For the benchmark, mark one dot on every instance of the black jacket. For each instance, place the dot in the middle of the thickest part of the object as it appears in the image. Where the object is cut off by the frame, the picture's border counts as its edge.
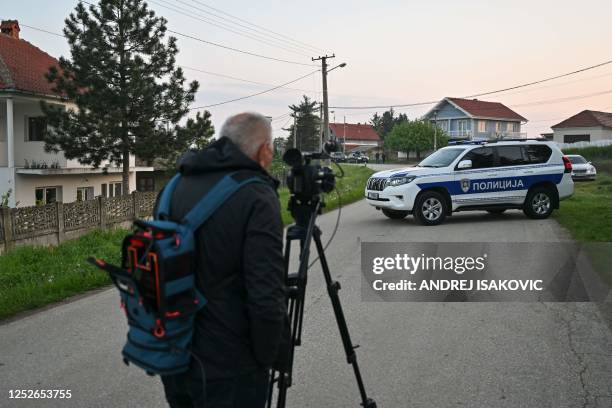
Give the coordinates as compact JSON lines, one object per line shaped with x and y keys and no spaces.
{"x":240,"y":262}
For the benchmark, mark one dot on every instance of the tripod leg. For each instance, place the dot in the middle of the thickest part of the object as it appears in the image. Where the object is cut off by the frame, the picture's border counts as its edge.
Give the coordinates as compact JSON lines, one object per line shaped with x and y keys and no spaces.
{"x":332,"y":289}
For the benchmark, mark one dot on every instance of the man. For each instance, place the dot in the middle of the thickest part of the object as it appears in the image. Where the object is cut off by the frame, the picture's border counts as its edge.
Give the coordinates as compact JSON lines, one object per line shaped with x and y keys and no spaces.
{"x":240,"y":271}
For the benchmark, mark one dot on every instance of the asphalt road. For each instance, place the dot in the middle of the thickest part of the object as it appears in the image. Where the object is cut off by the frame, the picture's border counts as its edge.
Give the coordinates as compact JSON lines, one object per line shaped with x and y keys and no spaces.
{"x":412,"y":354}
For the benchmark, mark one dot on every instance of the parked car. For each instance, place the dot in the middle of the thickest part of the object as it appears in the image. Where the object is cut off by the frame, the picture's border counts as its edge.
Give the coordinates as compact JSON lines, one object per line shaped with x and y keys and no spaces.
{"x":581,"y":168}
{"x":357,"y":157}
{"x":338,"y":157}
{"x":531,"y":175}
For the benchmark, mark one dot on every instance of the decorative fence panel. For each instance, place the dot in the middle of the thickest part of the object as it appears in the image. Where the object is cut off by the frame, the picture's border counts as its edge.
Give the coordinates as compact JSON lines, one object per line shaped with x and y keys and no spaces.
{"x":81,"y":214}
{"x":145,"y":203}
{"x":28,"y":222}
{"x":49,"y":223}
{"x":119,"y":208}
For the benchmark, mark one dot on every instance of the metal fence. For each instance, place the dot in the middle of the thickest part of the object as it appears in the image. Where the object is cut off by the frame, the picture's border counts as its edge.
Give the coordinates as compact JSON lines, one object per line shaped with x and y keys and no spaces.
{"x":54,"y":223}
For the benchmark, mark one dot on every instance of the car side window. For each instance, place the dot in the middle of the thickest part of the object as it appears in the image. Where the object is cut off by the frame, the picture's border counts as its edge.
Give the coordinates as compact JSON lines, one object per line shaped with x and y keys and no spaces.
{"x":511,"y":156}
{"x":481,"y":157}
{"x":537,"y":153}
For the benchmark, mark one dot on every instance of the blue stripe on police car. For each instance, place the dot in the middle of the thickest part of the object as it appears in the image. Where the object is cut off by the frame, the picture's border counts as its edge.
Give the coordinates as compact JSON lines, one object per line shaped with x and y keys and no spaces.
{"x":491,"y":185}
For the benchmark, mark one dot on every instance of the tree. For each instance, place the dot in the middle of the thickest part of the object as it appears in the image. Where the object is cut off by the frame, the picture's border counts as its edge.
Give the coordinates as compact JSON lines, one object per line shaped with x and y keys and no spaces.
{"x":307,"y":126}
{"x":195,"y":134}
{"x":129,"y":95}
{"x":385,"y":123}
{"x":416,"y":136}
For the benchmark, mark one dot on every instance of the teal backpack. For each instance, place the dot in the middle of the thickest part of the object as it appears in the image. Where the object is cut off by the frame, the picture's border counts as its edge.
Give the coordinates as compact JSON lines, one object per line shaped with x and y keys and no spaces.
{"x":157,"y":281}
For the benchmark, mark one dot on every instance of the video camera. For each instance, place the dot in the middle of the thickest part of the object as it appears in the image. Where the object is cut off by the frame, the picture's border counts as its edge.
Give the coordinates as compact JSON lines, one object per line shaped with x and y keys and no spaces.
{"x":306,"y":180}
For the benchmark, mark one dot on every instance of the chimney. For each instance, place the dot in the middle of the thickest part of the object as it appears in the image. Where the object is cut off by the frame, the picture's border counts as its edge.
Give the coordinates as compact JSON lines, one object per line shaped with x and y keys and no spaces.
{"x":10,"y":28}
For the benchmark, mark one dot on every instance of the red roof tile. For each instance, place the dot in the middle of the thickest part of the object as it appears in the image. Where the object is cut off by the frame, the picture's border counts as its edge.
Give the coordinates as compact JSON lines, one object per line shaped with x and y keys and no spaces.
{"x":354,"y":131}
{"x":587,"y":118}
{"x":23,"y":66}
{"x":484,"y":109}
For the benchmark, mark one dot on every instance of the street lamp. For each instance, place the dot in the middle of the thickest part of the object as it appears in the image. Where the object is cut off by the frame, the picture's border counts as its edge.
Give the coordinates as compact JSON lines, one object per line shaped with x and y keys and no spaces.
{"x":325,"y":112}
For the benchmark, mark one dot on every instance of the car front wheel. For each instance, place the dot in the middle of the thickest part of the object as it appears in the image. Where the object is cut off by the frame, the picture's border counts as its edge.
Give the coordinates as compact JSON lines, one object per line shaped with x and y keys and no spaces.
{"x":539,"y":203}
{"x":430,"y":208}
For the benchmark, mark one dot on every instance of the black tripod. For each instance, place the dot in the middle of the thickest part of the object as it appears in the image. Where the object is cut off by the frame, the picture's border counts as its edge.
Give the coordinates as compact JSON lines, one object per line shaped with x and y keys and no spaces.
{"x":305,"y":230}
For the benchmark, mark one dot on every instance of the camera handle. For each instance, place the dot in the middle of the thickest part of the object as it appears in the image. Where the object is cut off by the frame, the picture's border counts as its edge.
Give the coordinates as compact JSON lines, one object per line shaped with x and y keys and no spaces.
{"x":296,"y":283}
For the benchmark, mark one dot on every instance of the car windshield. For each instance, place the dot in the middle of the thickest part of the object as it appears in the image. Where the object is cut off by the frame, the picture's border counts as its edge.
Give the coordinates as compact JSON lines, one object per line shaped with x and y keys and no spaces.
{"x":577,"y":159}
{"x":441,"y":158}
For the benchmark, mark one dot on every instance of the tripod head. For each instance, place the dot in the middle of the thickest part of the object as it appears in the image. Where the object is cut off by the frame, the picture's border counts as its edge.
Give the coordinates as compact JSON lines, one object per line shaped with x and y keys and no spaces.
{"x":307,"y":180}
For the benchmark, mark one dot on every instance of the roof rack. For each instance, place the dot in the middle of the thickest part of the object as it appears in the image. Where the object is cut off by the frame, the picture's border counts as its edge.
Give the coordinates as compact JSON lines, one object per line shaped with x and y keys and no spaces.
{"x":478,"y":142}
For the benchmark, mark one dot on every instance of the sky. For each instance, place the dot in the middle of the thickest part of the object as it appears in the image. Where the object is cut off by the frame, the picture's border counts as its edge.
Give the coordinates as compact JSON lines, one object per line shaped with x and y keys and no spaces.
{"x":397,"y":52}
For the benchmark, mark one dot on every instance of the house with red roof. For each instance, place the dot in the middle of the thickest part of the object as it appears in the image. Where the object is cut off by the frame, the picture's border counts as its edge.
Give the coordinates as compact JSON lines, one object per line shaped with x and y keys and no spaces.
{"x":355,"y":136}
{"x":586,"y":126}
{"x":475,"y":119}
{"x":33,"y":175}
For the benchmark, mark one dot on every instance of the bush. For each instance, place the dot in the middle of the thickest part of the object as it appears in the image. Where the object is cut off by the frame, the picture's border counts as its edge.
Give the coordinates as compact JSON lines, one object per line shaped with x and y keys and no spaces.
{"x":590,"y":153}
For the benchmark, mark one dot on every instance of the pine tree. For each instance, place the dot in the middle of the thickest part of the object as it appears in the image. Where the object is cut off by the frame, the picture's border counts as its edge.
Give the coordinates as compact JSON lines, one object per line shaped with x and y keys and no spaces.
{"x":121,"y":76}
{"x":307,"y":126}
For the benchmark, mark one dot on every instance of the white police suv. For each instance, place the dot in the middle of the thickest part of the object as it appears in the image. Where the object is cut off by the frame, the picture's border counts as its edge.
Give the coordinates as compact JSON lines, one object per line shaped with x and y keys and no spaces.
{"x":528,"y":174}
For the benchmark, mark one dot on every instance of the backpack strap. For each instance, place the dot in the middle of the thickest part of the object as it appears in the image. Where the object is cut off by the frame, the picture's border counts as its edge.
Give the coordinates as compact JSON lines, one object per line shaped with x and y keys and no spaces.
{"x":163,"y":207}
{"x":212,"y":200}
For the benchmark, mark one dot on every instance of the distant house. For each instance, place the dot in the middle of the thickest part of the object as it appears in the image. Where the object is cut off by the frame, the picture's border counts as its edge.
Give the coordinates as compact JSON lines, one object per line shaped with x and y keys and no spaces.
{"x":474,"y":119}
{"x":355,"y":137}
{"x":586,"y":126}
{"x":33,"y":175}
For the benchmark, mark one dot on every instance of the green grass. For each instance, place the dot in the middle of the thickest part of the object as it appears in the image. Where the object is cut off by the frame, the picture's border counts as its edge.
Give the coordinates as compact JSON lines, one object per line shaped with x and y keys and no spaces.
{"x":588,"y":214}
{"x":31,"y":277}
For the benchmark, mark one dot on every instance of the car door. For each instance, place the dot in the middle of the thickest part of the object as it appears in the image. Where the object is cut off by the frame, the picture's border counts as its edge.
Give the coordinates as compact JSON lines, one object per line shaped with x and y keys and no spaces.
{"x":511,"y":162}
{"x":470,"y":185}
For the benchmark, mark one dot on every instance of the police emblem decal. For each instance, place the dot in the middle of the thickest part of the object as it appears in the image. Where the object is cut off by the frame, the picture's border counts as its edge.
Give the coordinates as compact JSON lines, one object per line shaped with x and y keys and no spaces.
{"x":465,"y":185}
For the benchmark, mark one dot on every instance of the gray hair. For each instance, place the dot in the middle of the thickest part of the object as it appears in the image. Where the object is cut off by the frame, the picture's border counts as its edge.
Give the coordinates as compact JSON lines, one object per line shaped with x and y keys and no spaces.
{"x":245,"y":130}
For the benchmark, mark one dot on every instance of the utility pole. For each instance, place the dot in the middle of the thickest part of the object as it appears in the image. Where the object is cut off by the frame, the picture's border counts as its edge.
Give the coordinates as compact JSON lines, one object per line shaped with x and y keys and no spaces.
{"x":322,"y":132}
{"x":295,"y":131}
{"x":323,"y":60}
{"x":435,"y":113}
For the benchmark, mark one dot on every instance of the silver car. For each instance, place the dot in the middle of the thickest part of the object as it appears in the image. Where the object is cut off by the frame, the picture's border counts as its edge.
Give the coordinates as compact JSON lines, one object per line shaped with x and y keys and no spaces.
{"x":581,"y":168}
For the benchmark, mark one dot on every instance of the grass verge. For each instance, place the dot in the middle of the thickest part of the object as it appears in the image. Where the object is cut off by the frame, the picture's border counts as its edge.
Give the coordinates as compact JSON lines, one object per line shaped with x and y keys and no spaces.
{"x":588,"y":213}
{"x":31,"y":277}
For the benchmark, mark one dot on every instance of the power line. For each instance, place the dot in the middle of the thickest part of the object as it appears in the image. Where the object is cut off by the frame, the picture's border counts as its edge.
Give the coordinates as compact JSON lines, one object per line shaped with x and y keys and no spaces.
{"x":253,"y":54}
{"x":199,"y":17}
{"x":257,"y":26}
{"x":255,"y":94}
{"x":241,"y":79}
{"x":259,"y":33}
{"x":478,"y":94}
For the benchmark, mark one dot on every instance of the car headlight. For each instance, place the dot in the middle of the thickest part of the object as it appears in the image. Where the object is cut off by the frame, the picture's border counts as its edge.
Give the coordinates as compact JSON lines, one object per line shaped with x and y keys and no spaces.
{"x":398,"y":181}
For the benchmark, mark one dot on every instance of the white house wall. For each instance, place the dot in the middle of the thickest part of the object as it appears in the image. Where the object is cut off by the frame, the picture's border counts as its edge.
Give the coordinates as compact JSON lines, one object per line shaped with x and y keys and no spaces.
{"x":597,"y":133}
{"x":27,"y":184}
{"x":30,"y":151}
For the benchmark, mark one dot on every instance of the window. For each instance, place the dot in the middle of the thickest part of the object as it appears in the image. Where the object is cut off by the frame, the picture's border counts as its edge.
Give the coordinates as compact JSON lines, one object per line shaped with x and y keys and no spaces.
{"x":118,"y":187}
{"x":482,"y":126}
{"x":498,"y":127}
{"x":47,"y":195}
{"x":510,"y":127}
{"x":37,"y":128}
{"x":461,"y":125}
{"x":442,"y":124}
{"x":442,"y":157}
{"x":537,"y":154}
{"x":510,"y":155}
{"x":577,"y":159}
{"x":576,"y":138}
{"x":85,"y":193}
{"x":147,"y":183}
{"x":104,"y":190}
{"x":481,"y":157}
